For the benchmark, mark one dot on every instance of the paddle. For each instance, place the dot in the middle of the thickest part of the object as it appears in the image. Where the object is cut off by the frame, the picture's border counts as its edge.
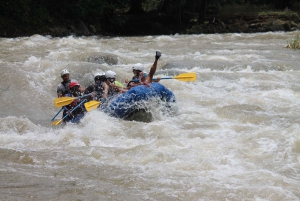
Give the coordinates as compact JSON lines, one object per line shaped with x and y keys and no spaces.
{"x":185,"y":77}
{"x":91,"y":105}
{"x":59,"y":102}
{"x":57,"y":114}
{"x":59,"y":121}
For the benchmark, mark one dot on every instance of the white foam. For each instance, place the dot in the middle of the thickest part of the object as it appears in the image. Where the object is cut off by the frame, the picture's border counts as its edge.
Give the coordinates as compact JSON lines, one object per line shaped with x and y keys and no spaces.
{"x":235,"y":136}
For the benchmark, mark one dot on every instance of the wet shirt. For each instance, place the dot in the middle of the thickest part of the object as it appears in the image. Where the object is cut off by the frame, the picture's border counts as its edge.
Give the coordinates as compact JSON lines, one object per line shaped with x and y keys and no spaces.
{"x":98,"y":88}
{"x":111,"y":92}
{"x":78,"y":112}
{"x":134,"y":79}
{"x":63,"y":88}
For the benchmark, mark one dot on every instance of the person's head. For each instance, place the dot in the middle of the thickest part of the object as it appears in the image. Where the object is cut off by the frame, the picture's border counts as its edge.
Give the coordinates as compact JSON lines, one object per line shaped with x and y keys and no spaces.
{"x":137,"y":68}
{"x":100,"y":77}
{"x":110,"y":76}
{"x":65,"y":75}
{"x":74,"y":88}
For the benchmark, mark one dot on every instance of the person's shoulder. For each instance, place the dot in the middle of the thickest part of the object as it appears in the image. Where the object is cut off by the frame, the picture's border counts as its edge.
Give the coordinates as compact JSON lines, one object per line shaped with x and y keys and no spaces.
{"x":59,"y":85}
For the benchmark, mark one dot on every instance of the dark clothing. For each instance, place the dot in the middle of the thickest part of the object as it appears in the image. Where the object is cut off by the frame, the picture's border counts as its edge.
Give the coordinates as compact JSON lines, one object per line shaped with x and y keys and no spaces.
{"x":98,"y":88}
{"x":63,"y":88}
{"x":134,"y":79}
{"x":78,"y":113}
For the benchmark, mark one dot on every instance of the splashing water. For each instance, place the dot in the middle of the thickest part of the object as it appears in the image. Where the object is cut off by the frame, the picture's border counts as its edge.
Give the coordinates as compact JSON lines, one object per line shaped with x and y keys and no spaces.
{"x":235,"y":135}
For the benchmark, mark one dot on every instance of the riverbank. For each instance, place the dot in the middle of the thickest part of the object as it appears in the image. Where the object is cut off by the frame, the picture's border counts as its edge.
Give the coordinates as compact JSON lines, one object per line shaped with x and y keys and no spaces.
{"x":155,"y":24}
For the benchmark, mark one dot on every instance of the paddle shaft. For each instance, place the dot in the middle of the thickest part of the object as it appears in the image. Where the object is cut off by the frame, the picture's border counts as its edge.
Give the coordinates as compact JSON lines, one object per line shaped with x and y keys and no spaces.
{"x":57,"y":113}
{"x":185,"y":77}
{"x":56,"y":123}
{"x":162,"y":78}
{"x":73,"y":109}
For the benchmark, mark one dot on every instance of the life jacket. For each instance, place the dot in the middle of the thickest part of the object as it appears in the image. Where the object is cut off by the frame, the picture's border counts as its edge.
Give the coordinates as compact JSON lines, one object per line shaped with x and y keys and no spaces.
{"x":134,"y":79}
{"x":98,"y":88}
{"x":63,"y":88}
{"x":111,"y":92}
{"x":75,"y":93}
{"x":77,"y":113}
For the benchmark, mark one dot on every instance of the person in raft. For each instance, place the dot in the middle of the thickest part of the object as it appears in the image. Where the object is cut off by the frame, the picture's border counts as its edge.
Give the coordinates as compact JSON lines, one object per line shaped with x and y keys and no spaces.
{"x":78,"y":113}
{"x":141,"y":77}
{"x":135,"y":80}
{"x":111,"y":86}
{"x":97,"y":89}
{"x":63,"y":87}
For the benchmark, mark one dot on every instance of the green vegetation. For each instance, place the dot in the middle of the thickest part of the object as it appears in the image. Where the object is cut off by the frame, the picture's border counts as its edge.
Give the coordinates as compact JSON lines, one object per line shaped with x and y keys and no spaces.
{"x":242,"y":9}
{"x":252,"y":9}
{"x":294,"y":43}
{"x":26,"y":17}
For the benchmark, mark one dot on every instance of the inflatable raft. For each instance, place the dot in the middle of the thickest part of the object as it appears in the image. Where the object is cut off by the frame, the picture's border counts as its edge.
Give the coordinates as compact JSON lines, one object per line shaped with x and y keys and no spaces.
{"x":140,"y":99}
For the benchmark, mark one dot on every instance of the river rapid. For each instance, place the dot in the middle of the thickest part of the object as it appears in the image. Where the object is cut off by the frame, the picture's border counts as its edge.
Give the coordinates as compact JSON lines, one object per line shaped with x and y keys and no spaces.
{"x":235,"y":136}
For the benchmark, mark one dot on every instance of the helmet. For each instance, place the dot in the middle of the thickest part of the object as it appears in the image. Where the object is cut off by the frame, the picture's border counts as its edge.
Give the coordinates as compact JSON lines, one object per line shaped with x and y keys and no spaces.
{"x":99,"y":74}
{"x":100,"y":77}
{"x":110,"y":74}
{"x":138,"y":66}
{"x":73,"y":84}
{"x":64,"y":72}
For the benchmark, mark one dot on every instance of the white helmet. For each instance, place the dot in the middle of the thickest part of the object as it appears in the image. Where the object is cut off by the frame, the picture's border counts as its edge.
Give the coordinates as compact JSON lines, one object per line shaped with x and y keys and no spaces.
{"x":64,"y":72}
{"x":99,"y":74}
{"x":110,"y":74}
{"x":138,"y":66}
{"x":100,"y":77}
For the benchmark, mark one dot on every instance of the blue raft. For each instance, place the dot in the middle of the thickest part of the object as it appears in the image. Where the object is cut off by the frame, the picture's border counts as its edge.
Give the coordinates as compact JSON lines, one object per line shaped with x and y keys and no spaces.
{"x":138,"y":99}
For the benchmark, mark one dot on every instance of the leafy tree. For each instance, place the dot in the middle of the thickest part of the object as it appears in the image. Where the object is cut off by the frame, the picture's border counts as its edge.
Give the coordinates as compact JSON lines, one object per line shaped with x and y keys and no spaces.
{"x":202,"y":10}
{"x":282,"y":4}
{"x":136,"y":6}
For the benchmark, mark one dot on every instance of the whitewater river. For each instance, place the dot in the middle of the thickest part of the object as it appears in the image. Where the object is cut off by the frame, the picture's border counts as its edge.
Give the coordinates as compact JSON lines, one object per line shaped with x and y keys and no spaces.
{"x":235,"y":136}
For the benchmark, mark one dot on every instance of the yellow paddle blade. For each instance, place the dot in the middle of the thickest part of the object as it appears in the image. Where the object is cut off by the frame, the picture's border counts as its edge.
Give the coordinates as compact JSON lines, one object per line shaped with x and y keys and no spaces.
{"x":60,"y":102}
{"x":91,"y":105}
{"x":56,"y":122}
{"x":186,"y":77}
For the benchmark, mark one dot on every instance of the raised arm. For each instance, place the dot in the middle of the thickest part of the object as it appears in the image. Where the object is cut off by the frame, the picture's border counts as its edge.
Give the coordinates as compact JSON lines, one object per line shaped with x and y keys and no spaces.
{"x":153,"y":68}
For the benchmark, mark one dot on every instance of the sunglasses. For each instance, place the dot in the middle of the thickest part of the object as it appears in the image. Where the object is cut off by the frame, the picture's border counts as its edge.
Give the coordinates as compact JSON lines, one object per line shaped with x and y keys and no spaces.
{"x":111,"y":80}
{"x":99,"y":78}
